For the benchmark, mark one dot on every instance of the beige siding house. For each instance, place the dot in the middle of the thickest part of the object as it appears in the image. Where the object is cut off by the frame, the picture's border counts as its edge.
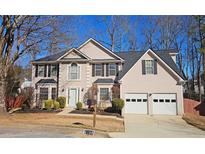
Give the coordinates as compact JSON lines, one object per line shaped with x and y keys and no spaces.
{"x":150,"y":82}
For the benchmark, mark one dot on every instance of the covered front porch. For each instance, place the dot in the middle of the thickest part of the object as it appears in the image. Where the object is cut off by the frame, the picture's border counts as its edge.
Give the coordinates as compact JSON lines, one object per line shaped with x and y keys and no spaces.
{"x":45,"y":89}
{"x":106,"y":92}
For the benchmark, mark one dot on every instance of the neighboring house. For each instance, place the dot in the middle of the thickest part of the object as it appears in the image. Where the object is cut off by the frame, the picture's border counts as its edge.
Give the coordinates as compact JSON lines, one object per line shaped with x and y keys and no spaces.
{"x":26,"y":84}
{"x":150,"y":82}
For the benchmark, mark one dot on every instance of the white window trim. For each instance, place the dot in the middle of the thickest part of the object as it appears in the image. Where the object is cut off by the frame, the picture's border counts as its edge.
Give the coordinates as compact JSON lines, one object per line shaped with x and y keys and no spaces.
{"x":109,"y":69}
{"x":68,"y":78}
{"x":152,"y":67}
{"x":108,"y":93}
{"x":51,"y":70}
{"x":43,"y":70}
{"x":101,"y":69}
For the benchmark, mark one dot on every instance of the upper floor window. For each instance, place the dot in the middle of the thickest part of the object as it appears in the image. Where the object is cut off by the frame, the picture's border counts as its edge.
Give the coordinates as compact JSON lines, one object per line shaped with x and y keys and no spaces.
{"x":74,"y":72}
{"x":149,"y":66}
{"x":53,"y":70}
{"x":112,"y":69}
{"x":41,"y":70}
{"x":98,"y":69}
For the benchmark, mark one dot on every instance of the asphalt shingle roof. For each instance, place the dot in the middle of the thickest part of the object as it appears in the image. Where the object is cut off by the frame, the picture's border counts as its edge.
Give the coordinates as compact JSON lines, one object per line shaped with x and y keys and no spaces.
{"x":52,"y":57}
{"x":132,"y":57}
{"x":104,"y":81}
{"x":46,"y":81}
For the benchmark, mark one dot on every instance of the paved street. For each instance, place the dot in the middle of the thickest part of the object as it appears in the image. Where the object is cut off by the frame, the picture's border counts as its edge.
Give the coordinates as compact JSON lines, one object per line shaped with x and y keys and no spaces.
{"x":158,"y":127}
{"x":33,"y":131}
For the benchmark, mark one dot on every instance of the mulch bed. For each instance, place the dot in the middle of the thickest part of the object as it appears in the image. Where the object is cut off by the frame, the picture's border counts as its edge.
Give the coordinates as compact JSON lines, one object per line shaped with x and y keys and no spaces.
{"x":85,"y":111}
{"x":37,"y":110}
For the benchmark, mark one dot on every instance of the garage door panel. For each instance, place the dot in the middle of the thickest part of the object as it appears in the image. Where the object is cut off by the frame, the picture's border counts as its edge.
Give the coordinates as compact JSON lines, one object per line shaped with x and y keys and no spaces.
{"x":136,"y":103}
{"x":164,"y":104}
{"x":169,"y":109}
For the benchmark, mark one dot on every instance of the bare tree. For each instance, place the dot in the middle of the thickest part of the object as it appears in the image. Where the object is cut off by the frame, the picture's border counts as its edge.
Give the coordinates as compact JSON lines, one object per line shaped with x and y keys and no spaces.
{"x":21,"y":35}
{"x":63,"y":34}
{"x":149,"y":32}
{"x":114,"y":31}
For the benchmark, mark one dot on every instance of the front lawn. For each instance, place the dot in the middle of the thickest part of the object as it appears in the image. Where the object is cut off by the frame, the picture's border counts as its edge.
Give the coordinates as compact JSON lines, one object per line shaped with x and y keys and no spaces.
{"x":51,"y":119}
{"x":195,"y":120}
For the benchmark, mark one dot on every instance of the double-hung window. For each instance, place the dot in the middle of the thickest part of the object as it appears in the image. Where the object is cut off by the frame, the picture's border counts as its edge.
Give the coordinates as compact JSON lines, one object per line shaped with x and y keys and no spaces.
{"x":53,"y":70}
{"x":41,"y":70}
{"x":112,"y":69}
{"x":53,"y":93}
{"x":98,"y":69}
{"x":149,"y":66}
{"x":104,"y":94}
{"x":43,"y":93}
{"x":74,"y":72}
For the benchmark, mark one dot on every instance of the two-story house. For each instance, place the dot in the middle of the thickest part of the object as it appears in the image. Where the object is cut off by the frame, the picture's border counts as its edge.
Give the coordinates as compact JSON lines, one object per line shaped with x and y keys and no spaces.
{"x":150,"y":81}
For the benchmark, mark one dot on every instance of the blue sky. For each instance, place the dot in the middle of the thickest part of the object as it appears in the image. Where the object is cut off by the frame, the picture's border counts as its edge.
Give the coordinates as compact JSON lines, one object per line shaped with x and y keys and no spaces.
{"x":83,"y":26}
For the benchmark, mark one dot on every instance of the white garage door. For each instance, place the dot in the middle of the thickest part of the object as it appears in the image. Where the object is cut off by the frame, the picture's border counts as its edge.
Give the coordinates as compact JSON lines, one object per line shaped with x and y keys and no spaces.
{"x":136,"y":103}
{"x":164,"y":104}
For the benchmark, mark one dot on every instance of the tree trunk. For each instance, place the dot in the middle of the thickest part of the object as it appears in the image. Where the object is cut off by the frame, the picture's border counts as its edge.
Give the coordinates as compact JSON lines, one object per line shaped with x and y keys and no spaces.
{"x":203,"y":75}
{"x":2,"y":94}
{"x":94,"y":115}
{"x":199,"y":85}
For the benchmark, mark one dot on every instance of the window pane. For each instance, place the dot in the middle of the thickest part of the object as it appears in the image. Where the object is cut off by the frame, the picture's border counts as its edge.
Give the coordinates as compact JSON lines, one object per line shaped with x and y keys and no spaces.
{"x":161,"y":100}
{"x":74,"y":72}
{"x":53,"y":93}
{"x":167,"y":100}
{"x":41,"y":70}
{"x":127,"y":100}
{"x":173,"y":100}
{"x":139,"y":100}
{"x":144,"y":100}
{"x":73,"y":76}
{"x":104,"y":93}
{"x":53,"y":70}
{"x":133,"y":100}
{"x":98,"y":69}
{"x":149,"y":66}
{"x":43,"y":93}
{"x":155,"y":100}
{"x":112,"y":69}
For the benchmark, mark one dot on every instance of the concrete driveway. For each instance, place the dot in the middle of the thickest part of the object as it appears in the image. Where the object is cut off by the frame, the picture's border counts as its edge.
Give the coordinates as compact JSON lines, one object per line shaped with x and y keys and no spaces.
{"x":145,"y":126}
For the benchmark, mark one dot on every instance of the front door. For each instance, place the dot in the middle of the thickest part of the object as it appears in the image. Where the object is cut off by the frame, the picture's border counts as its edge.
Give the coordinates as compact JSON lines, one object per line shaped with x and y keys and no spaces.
{"x":73,"y":97}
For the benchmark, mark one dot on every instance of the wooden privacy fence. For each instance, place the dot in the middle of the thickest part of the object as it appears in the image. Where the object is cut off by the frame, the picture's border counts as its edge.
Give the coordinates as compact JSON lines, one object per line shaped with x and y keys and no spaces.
{"x":194,"y":107}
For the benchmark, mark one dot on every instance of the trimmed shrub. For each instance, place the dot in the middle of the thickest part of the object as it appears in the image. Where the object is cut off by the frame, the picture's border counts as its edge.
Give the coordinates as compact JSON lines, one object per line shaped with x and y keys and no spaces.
{"x":56,"y":105}
{"x":117,"y":104}
{"x":48,"y":104}
{"x":62,"y":101}
{"x":79,"y":105}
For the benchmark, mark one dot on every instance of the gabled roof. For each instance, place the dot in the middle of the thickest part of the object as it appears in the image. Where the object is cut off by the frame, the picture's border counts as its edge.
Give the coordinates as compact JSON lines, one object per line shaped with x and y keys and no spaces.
{"x":133,"y":56}
{"x":75,"y":50}
{"x":100,"y":45}
{"x":59,"y":55}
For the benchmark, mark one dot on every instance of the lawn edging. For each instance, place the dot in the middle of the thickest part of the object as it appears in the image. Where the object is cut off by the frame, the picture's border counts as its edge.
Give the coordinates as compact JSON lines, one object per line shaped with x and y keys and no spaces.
{"x":91,"y":115}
